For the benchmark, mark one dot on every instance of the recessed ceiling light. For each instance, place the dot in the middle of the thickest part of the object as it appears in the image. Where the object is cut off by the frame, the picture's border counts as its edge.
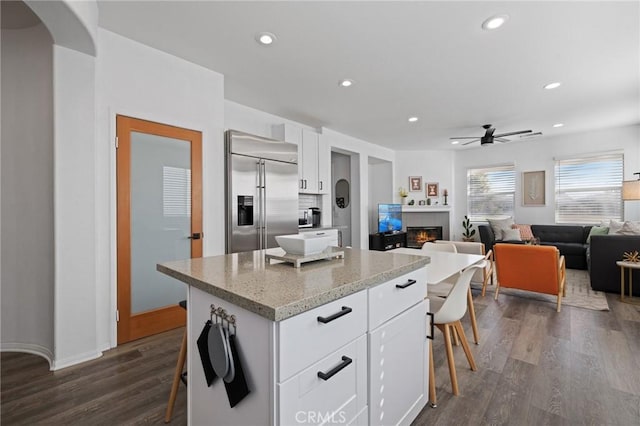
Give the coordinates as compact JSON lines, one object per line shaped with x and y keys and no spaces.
{"x":558,"y":125}
{"x":455,"y":142}
{"x":552,"y":85}
{"x":413,"y":119}
{"x":265,"y":38}
{"x":494,"y":22}
{"x":346,"y":82}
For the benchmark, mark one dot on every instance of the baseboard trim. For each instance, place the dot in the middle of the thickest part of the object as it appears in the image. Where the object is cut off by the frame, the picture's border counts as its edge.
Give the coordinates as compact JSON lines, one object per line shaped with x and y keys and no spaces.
{"x":29,"y":348}
{"x":76,"y":359}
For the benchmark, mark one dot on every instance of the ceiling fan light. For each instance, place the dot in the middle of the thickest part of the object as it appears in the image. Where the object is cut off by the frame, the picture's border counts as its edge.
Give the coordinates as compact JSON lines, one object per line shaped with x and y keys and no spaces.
{"x":455,"y":142}
{"x":412,"y":119}
{"x":558,"y":125}
{"x":345,"y":83}
{"x":553,"y":85}
{"x":494,"y":22}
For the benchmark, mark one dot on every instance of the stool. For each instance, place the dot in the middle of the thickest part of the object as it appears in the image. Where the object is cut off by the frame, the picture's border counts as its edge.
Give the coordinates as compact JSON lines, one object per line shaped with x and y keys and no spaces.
{"x":178,"y":376}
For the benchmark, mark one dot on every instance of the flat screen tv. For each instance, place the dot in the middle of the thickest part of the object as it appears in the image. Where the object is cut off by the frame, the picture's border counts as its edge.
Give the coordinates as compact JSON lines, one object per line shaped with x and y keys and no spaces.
{"x":389,"y":218}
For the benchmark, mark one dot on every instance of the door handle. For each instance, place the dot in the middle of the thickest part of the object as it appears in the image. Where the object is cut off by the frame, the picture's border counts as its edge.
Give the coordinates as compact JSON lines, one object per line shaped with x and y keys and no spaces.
{"x":195,"y":236}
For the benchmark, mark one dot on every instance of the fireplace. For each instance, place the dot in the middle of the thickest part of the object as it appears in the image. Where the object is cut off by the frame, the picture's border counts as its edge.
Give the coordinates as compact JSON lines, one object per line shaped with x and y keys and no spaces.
{"x":418,"y":235}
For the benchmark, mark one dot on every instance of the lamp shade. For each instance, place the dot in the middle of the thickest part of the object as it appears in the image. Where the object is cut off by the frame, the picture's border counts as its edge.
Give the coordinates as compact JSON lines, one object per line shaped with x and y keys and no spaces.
{"x":631,"y":190}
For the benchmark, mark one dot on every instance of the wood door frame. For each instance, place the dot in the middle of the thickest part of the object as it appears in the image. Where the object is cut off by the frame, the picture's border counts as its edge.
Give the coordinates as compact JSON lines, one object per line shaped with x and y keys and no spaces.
{"x":131,"y":327}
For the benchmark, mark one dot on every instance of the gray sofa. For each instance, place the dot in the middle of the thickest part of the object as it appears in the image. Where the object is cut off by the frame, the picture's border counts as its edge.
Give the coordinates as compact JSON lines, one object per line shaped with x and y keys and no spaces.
{"x":604,"y":251}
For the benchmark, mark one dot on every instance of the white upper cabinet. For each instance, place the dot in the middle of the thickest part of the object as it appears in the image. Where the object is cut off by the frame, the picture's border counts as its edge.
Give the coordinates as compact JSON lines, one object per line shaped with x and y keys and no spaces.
{"x":313,"y":157}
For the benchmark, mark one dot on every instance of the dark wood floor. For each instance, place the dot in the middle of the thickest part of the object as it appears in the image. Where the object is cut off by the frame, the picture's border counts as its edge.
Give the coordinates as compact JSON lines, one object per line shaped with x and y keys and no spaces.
{"x":535,"y":367}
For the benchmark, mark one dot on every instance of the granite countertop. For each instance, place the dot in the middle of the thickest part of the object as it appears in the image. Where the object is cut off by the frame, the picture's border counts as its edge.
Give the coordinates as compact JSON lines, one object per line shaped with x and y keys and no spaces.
{"x":278,"y":291}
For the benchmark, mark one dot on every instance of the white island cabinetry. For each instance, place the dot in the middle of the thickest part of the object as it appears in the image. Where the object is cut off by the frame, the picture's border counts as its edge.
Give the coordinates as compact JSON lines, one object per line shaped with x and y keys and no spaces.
{"x":358,"y":358}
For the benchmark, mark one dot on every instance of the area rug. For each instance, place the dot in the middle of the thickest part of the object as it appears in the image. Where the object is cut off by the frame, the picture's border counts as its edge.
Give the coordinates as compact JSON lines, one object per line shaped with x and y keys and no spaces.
{"x":579,"y":292}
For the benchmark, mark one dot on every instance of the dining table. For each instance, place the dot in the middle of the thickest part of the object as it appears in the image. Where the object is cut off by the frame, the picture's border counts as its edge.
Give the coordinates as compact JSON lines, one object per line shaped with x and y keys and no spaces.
{"x":443,"y":264}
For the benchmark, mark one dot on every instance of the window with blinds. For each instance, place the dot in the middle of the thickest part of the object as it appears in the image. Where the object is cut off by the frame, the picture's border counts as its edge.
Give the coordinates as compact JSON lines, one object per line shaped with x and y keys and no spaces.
{"x":589,"y":189}
{"x":490,"y":192}
{"x":176,"y":191}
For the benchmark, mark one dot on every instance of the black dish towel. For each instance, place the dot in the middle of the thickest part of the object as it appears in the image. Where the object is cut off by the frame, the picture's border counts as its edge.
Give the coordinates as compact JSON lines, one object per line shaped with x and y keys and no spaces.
{"x":203,"y":348}
{"x":236,"y":389}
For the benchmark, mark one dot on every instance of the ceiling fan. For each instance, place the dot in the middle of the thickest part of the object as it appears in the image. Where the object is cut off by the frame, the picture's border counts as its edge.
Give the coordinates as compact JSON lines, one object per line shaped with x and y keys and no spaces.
{"x":489,"y":137}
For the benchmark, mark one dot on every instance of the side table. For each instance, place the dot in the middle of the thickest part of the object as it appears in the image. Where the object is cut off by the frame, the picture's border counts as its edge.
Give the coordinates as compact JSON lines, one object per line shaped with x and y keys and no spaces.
{"x":629,"y":266}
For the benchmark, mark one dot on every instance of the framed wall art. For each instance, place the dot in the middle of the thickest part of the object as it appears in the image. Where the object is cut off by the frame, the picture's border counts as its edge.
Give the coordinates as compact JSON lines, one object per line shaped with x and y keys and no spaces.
{"x":432,"y":189}
{"x":415,"y":183}
{"x":533,"y":188}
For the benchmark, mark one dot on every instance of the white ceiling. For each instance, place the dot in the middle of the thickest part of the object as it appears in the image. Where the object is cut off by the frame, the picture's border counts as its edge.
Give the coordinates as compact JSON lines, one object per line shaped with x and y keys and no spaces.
{"x":428,"y":59}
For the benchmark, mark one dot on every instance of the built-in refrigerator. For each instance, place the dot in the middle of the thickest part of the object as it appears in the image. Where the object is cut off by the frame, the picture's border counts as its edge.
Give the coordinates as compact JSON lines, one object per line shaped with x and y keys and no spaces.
{"x":261,"y":191}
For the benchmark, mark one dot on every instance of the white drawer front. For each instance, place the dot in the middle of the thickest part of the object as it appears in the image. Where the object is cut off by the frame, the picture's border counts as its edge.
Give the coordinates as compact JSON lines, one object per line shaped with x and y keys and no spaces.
{"x":389,"y":299}
{"x":308,"y":399}
{"x":304,"y":339}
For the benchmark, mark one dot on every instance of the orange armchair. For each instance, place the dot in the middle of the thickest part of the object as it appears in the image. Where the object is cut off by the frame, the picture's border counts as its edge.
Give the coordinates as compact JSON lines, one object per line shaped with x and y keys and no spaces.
{"x":532,"y":268}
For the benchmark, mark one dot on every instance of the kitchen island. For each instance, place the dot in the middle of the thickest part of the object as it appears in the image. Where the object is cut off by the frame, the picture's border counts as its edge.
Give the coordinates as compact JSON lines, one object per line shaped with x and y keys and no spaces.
{"x":337,"y":341}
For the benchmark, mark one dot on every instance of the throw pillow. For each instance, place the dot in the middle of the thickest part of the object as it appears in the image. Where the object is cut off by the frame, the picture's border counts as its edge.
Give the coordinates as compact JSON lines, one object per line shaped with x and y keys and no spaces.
{"x":615,"y":226}
{"x":525,"y":231}
{"x":629,"y":228}
{"x":499,"y":226}
{"x":597,"y":230}
{"x":511,"y":235}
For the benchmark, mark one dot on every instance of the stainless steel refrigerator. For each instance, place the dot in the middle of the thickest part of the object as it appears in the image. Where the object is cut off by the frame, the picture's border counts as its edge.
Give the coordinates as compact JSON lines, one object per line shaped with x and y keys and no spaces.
{"x":261,"y":191}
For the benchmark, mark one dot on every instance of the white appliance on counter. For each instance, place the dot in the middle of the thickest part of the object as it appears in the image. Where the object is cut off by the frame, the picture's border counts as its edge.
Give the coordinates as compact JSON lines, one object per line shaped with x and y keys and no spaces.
{"x":261,"y":191}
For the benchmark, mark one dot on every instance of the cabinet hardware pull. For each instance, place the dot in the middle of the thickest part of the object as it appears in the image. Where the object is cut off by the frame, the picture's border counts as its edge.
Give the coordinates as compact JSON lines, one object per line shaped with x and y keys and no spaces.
{"x":409,"y":283}
{"x":326,"y":376}
{"x":345,"y":310}
{"x":430,"y":337}
{"x":320,"y":185}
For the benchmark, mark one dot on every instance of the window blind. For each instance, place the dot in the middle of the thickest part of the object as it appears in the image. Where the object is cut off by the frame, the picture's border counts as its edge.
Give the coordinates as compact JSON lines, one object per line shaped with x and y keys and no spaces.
{"x":490,"y":192}
{"x":589,"y":189}
{"x":176,"y":191}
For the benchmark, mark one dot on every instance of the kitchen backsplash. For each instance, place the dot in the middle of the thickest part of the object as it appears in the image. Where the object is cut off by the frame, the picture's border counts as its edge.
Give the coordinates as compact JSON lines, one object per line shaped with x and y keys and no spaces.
{"x":306,"y":201}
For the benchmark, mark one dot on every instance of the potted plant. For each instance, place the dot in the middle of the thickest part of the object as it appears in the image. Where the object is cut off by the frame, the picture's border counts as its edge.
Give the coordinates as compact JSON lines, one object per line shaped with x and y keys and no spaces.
{"x":469,"y":232}
{"x":403,"y":195}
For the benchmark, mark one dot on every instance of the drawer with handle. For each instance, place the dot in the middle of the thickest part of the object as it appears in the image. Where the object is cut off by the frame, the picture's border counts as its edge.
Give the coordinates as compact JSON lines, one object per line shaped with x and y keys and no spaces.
{"x":395,"y":296}
{"x":310,"y":336}
{"x":331,"y":391}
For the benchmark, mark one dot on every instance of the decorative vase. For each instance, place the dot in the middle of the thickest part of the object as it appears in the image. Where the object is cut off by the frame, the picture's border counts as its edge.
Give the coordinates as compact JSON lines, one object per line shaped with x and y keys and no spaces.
{"x":445,"y":200}
{"x":403,"y":200}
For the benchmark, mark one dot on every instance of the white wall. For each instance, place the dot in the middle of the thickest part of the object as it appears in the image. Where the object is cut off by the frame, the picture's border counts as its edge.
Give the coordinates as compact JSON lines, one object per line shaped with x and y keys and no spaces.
{"x":27,"y":242}
{"x":135,"y":80}
{"x":433,"y":166}
{"x":539,"y":154}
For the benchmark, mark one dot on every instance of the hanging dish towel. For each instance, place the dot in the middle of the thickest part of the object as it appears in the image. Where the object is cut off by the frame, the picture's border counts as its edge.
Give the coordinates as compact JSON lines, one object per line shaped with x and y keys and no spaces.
{"x":237,"y":388}
{"x":203,"y":348}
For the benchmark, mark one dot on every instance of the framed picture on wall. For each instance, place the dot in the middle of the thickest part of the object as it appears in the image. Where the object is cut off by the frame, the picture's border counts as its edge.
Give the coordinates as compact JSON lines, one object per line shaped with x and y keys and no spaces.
{"x":533,"y":188}
{"x":415,"y":183}
{"x":432,"y":189}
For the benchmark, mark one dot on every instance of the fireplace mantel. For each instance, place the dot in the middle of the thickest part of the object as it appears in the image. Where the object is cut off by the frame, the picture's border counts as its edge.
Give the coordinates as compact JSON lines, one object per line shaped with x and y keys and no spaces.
{"x":425,"y":209}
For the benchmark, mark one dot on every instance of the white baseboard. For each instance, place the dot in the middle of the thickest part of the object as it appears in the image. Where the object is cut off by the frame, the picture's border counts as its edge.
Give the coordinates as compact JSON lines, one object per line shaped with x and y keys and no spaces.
{"x":29,"y":348}
{"x":73,"y":360}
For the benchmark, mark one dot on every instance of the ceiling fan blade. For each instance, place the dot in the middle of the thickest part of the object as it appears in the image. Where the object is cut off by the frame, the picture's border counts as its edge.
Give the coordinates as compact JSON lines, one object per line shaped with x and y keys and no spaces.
{"x":467,"y":143}
{"x":512,"y":133}
{"x":501,"y":140}
{"x":466,"y":137}
{"x":530,"y":135}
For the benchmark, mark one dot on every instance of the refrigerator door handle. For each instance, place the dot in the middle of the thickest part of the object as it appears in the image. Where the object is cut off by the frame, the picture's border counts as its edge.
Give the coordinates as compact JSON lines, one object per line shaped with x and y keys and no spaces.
{"x":260,"y":217}
{"x":263,"y":205}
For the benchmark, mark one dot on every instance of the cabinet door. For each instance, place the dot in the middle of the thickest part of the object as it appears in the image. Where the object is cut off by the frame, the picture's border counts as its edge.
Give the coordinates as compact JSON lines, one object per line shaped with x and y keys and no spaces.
{"x":292,"y":134}
{"x":309,"y":162}
{"x":324,"y":166}
{"x":338,"y":398}
{"x":397,"y":368}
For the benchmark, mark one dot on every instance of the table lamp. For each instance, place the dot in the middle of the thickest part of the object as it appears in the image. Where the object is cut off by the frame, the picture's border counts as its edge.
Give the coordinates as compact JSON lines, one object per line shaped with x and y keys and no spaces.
{"x":631,"y":189}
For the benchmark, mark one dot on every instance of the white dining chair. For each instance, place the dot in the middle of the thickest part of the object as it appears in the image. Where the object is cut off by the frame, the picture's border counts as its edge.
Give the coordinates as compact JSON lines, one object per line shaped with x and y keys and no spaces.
{"x":443,"y":288}
{"x":446,"y":316}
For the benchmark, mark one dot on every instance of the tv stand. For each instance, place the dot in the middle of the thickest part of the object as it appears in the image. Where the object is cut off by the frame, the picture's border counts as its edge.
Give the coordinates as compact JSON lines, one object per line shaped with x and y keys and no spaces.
{"x":383,"y":242}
